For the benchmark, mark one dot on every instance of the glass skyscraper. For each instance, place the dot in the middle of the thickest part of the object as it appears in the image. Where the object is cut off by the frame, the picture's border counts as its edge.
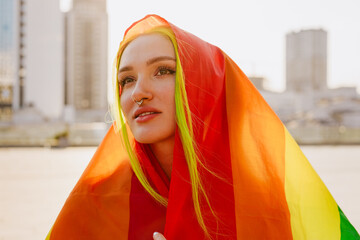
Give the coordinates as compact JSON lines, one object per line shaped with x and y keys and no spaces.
{"x":7,"y":10}
{"x":7,"y":57}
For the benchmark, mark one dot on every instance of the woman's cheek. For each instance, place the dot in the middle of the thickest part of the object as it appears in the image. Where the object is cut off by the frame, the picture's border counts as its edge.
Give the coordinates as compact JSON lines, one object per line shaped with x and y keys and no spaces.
{"x":125,"y":103}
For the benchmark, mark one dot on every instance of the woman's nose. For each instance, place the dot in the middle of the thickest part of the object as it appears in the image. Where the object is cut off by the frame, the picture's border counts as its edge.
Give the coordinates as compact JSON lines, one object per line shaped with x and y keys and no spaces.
{"x":142,"y":89}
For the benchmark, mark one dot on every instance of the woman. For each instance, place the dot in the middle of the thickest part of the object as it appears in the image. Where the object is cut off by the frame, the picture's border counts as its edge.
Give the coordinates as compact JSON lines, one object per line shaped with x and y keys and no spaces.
{"x":195,"y":153}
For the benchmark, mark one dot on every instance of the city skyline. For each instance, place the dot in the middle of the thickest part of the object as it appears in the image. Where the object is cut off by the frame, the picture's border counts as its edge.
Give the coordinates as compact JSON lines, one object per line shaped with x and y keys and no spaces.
{"x":34,"y":68}
{"x":253,"y":33}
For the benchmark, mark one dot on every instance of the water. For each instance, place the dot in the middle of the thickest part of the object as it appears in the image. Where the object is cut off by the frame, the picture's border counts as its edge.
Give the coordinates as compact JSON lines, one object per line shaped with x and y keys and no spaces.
{"x":35,"y":182}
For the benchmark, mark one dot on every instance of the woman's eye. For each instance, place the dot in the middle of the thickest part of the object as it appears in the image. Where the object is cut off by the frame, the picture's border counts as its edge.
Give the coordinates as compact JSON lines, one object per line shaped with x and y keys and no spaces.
{"x":126,"y":80}
{"x":164,"y":71}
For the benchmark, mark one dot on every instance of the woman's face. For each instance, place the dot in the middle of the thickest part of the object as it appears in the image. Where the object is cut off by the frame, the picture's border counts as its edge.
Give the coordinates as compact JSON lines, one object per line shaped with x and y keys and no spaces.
{"x":147,"y":71}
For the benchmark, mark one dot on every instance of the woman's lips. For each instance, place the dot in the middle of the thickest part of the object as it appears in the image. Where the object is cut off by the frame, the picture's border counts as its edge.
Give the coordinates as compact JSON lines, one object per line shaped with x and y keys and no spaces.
{"x":144,"y":117}
{"x":146,"y":113}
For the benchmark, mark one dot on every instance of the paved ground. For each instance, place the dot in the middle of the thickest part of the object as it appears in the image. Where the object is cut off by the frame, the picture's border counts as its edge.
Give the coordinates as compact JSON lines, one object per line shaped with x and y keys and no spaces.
{"x":34,"y":183}
{"x":339,"y":168}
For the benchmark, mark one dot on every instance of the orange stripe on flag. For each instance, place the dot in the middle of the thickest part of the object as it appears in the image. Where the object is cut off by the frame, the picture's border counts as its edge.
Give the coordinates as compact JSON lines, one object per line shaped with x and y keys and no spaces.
{"x":257,"y":154}
{"x":98,"y":207}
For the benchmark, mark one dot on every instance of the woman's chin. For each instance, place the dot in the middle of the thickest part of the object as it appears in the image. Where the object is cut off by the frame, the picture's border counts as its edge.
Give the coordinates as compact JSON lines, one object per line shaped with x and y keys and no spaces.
{"x":146,"y":138}
{"x":152,"y":138}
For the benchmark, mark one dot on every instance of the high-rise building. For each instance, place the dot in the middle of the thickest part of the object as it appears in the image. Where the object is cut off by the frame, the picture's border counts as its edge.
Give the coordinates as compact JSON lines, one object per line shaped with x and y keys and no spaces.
{"x":306,"y":61}
{"x":44,"y":57}
{"x":86,"y":55}
{"x":33,"y":31}
{"x":7,"y":57}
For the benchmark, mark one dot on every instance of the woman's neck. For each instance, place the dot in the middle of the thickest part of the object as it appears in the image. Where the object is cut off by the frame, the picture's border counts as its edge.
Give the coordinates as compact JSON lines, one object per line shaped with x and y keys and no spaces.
{"x":163,"y":152}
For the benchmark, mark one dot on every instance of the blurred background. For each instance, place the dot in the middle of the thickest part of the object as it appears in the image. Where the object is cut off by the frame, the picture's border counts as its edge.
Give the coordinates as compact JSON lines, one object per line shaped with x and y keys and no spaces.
{"x":55,"y":85}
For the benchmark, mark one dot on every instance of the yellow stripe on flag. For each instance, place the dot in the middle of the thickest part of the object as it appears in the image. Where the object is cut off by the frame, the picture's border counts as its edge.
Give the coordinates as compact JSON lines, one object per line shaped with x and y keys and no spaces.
{"x":314,"y":212}
{"x":48,"y":236}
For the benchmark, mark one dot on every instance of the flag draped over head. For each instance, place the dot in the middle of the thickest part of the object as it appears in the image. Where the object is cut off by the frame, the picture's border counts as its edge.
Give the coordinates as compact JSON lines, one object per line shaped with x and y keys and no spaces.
{"x":258,"y":182}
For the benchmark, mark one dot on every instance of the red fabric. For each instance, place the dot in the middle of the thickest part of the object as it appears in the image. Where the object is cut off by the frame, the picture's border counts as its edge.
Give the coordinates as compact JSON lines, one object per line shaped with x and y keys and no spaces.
{"x":146,"y":215}
{"x":203,"y":65}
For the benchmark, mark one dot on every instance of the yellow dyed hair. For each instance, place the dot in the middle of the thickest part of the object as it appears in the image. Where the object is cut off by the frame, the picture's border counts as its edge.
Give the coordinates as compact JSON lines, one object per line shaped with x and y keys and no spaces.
{"x":185,"y":127}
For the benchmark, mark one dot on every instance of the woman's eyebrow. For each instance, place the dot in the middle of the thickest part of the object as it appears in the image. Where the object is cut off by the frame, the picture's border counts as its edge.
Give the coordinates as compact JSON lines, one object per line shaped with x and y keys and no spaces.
{"x":148,"y":62}
{"x":126,"y":68}
{"x":160,"y":58}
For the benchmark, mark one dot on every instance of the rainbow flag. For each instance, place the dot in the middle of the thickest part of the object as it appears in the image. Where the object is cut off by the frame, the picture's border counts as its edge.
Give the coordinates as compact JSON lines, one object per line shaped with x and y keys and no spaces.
{"x":263,"y":186}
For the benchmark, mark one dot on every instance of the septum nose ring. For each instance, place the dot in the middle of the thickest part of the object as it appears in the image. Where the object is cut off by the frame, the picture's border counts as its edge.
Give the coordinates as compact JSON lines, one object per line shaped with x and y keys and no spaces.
{"x":139,"y":102}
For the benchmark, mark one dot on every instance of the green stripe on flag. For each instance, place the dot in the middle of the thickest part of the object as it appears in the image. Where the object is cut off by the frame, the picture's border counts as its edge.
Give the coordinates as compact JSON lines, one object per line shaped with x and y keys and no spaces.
{"x":347,"y":230}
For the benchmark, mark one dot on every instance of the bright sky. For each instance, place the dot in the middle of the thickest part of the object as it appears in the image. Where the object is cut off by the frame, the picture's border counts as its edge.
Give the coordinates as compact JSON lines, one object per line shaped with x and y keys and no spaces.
{"x":252,"y":32}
